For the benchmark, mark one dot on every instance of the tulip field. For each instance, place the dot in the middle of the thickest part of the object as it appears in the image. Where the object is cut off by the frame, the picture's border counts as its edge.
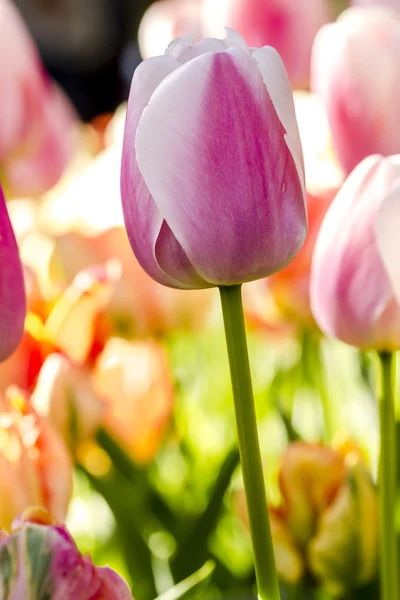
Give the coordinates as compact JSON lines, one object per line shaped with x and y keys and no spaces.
{"x":200,"y":306}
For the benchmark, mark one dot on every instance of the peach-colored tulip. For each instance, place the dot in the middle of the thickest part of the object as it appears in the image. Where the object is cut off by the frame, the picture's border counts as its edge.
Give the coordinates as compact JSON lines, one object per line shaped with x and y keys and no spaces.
{"x":352,"y":296}
{"x":140,"y":306}
{"x":35,"y":129}
{"x":35,"y":465}
{"x":355,"y":66}
{"x":64,"y":393}
{"x":135,"y":380}
{"x":287,"y":25}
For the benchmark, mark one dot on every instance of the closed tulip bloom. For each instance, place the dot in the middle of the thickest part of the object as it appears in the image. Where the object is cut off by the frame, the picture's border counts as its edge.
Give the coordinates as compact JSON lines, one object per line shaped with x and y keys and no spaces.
{"x":355,"y":66}
{"x":212,"y":178}
{"x":39,"y":559}
{"x":288,"y":26}
{"x":12,"y":292}
{"x":352,"y":296}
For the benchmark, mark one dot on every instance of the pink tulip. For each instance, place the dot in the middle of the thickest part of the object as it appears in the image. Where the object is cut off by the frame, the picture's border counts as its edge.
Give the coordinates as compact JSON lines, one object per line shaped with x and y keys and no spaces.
{"x":352,"y":297}
{"x":12,"y":293}
{"x":392,"y":3}
{"x":39,"y":559}
{"x":288,"y":25}
{"x":36,"y":118}
{"x":355,"y":69}
{"x":212,"y":176}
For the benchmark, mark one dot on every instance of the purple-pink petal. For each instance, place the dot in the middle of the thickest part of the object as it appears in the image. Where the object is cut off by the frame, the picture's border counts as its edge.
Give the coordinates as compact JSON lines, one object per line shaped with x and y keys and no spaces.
{"x":212,"y":151}
{"x":12,"y":291}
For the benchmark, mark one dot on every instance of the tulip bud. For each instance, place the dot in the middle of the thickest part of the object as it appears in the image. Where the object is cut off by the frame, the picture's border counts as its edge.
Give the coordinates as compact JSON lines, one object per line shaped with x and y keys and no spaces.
{"x":309,"y":478}
{"x":352,"y":296}
{"x":344,"y":552}
{"x":64,"y":393}
{"x":355,"y":65}
{"x":39,"y":559}
{"x":134,"y":379}
{"x":35,"y":467}
{"x":12,"y":292}
{"x":288,"y":26}
{"x":204,"y":204}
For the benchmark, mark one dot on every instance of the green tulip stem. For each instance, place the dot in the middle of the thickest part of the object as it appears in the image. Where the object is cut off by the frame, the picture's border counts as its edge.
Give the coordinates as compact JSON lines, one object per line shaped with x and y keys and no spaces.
{"x":387,"y":481}
{"x":249,"y":446}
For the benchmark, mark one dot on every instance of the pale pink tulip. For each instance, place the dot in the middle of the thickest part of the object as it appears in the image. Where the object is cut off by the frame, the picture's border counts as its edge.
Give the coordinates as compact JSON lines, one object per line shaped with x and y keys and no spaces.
{"x":392,"y":3}
{"x":355,"y":69}
{"x":352,"y":297}
{"x":212,"y":179}
{"x":166,"y":20}
{"x":36,"y":119}
{"x":288,"y":25}
{"x":12,"y":292}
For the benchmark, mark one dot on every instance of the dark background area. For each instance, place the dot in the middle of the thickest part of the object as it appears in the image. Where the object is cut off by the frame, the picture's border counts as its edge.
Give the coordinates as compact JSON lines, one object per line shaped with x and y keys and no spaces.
{"x":83,"y":44}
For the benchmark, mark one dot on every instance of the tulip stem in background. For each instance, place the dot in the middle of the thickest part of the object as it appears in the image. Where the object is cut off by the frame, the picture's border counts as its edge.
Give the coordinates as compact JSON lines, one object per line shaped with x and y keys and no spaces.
{"x":249,"y":446}
{"x":388,"y":481}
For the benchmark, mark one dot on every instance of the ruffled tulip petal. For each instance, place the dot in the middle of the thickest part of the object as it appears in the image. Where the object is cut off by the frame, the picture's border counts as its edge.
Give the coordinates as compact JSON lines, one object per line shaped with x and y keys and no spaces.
{"x":143,"y":219}
{"x":12,"y":292}
{"x":208,"y":124}
{"x":387,"y":231}
{"x":275,"y":78}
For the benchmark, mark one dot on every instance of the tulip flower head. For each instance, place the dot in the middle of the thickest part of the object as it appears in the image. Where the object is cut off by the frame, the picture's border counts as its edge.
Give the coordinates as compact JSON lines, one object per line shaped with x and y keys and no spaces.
{"x":12,"y":291}
{"x":352,"y":294}
{"x":355,"y":66}
{"x":39,"y":559}
{"x":212,"y":179}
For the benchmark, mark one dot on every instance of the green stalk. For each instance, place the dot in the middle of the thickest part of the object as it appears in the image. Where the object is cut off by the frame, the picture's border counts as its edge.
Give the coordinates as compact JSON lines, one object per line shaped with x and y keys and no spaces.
{"x":388,"y":481}
{"x":249,"y":446}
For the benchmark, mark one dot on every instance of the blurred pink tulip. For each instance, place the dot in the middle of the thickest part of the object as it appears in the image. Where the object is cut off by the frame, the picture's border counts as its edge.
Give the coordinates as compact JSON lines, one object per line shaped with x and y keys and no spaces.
{"x":355,"y":69}
{"x":35,"y":128}
{"x":12,"y":290}
{"x":287,"y":25}
{"x":352,"y":297}
{"x":35,"y":467}
{"x":390,"y":3}
{"x":204,"y":204}
{"x":39,"y":559}
{"x":166,"y":20}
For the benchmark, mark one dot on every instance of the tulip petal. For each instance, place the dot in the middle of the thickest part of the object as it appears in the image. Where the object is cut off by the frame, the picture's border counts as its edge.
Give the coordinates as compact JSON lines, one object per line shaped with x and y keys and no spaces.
{"x":12,"y":293}
{"x":275,"y":78}
{"x":209,"y":124}
{"x":142,"y":218}
{"x":387,"y":232}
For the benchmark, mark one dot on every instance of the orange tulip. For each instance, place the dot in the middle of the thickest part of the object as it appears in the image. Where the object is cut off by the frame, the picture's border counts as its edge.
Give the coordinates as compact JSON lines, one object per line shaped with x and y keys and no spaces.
{"x":35,"y":465}
{"x":135,"y":380}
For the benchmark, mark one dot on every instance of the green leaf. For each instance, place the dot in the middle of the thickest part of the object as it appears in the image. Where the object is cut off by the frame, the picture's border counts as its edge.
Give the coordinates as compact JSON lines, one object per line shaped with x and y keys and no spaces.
{"x":188,"y":586}
{"x":193,"y":551}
